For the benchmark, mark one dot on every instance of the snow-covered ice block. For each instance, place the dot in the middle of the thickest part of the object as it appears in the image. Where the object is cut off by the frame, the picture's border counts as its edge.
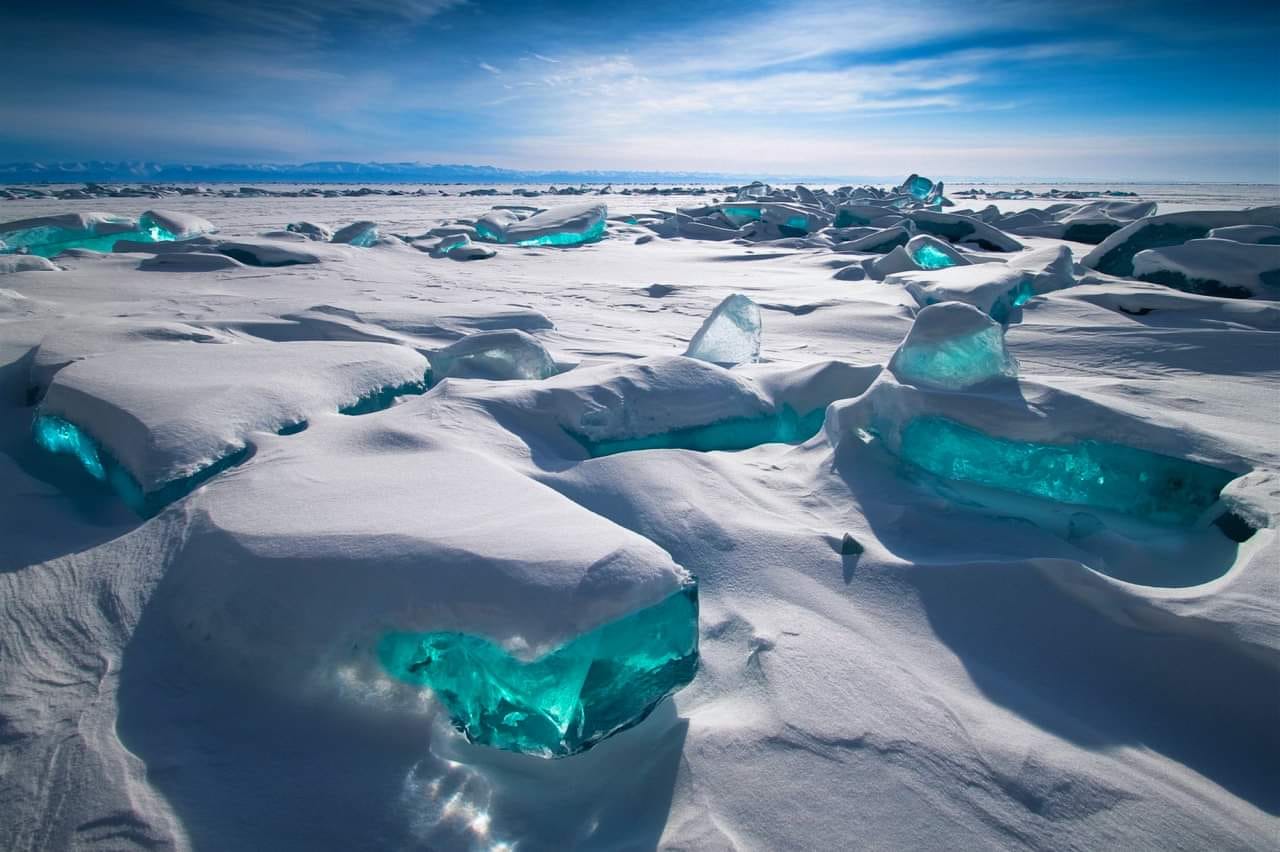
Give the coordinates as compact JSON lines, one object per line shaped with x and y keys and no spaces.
{"x":362,"y":234}
{"x":998,"y":289}
{"x":1213,"y":267}
{"x":952,"y":346}
{"x":1114,"y":255}
{"x":178,"y":226}
{"x":1021,"y":449}
{"x":848,"y":215}
{"x":1263,"y":234}
{"x":995,"y":289}
{"x":310,"y":230}
{"x":509,"y":354}
{"x":271,"y":253}
{"x":569,"y":225}
{"x":963,"y":229}
{"x":46,"y":236}
{"x":76,"y":340}
{"x":543,"y":644}
{"x":167,"y":412}
{"x":878,"y":242}
{"x":730,"y":334}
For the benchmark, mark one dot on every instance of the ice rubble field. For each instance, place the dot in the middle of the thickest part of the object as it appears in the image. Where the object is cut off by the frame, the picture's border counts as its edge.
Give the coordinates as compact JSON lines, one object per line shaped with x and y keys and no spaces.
{"x":328,"y":521}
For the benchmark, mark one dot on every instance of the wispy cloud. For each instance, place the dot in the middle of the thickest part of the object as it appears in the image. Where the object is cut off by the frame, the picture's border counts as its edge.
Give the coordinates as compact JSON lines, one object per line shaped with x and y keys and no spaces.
{"x":486,"y":66}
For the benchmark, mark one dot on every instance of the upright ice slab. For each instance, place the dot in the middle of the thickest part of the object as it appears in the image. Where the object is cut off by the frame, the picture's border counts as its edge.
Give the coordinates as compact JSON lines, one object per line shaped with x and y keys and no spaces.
{"x":567,"y":700}
{"x":730,"y":335}
{"x":952,"y":346}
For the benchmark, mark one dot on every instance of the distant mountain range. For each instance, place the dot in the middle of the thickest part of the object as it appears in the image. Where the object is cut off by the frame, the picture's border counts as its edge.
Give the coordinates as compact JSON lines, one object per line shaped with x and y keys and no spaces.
{"x":328,"y":172}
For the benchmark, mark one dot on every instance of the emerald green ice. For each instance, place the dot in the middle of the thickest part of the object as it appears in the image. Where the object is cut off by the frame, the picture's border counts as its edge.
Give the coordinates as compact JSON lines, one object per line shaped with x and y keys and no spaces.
{"x":62,"y":437}
{"x":49,"y":240}
{"x":566,"y":238}
{"x":742,"y":215}
{"x":741,"y":433}
{"x":567,"y":700}
{"x":932,"y":257}
{"x":1156,"y":488}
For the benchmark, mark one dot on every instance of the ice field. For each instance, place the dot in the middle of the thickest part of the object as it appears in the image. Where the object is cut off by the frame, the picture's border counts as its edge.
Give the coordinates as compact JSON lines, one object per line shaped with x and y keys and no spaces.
{"x":930,"y":517}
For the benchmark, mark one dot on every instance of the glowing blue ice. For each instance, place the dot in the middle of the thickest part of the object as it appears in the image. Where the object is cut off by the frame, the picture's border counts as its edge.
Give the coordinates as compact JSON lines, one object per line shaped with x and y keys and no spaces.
{"x":932,"y":257}
{"x":1156,"y":488}
{"x":741,"y":433}
{"x":567,"y":700}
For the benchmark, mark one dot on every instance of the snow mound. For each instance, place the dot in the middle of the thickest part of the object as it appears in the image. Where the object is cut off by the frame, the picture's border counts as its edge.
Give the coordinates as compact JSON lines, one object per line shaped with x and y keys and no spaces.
{"x":963,"y":229}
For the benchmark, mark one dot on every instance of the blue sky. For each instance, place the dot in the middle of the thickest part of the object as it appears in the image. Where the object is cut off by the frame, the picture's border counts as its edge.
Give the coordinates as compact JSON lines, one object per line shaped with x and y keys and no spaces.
{"x":1139,"y":90}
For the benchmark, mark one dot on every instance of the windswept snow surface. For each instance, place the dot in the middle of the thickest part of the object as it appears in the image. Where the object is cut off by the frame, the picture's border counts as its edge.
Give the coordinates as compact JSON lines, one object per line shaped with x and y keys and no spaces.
{"x":953,"y":604}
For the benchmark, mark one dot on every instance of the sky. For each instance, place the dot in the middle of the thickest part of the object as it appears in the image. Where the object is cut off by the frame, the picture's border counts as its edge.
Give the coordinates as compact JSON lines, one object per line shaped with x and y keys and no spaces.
{"x":1124,"y":91}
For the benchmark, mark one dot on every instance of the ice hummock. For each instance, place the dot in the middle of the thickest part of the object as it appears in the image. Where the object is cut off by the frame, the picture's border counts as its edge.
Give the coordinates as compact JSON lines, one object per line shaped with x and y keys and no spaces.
{"x":504,"y":354}
{"x":952,"y":345}
{"x":567,"y":700}
{"x":730,"y":334}
{"x":569,"y":225}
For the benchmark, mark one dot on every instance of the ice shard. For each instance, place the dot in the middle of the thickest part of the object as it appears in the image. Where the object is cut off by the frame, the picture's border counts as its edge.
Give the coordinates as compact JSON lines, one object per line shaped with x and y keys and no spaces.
{"x":1159,"y":489}
{"x":47,"y":236}
{"x":952,"y":346}
{"x":730,"y":335}
{"x":566,"y":701}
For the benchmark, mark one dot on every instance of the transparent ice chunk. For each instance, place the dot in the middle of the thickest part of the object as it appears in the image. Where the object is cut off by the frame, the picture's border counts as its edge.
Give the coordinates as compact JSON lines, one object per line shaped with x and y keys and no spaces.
{"x":566,"y":701}
{"x":730,"y":335}
{"x":952,"y":346}
{"x":497,"y":355}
